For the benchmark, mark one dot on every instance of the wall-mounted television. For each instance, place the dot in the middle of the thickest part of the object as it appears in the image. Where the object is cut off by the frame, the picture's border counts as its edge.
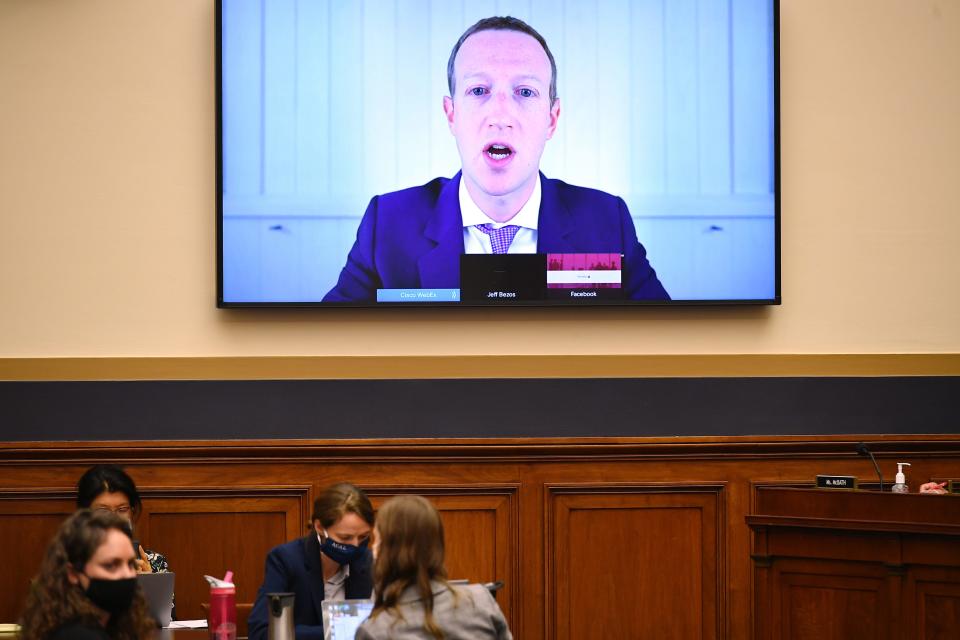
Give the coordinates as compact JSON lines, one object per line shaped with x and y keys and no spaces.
{"x":523,"y":152}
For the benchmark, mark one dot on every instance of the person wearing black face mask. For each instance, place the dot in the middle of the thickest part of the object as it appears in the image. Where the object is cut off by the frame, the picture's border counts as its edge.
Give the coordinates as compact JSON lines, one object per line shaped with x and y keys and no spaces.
{"x":332,"y":562}
{"x":87,"y":585}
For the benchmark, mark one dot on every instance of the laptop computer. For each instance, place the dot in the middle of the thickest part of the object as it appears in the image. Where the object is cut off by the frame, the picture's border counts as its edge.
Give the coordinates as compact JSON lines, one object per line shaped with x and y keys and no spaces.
{"x":342,"y":618}
{"x":158,"y":591}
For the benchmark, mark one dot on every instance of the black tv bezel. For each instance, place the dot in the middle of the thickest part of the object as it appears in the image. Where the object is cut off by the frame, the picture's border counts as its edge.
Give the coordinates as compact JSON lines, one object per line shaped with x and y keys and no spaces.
{"x":594,"y":304}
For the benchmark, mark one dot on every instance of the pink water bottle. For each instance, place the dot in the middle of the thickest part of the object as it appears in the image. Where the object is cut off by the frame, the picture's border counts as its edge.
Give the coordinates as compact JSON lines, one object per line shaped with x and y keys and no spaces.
{"x":222,"y":622}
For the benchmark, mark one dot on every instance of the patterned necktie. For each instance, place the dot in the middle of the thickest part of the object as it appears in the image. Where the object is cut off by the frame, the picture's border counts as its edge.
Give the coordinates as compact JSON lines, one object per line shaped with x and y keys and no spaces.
{"x":501,"y":238}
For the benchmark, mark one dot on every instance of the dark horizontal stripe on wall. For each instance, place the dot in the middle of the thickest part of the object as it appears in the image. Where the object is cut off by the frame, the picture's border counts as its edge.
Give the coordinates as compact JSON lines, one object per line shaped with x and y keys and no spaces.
{"x":324,"y":409}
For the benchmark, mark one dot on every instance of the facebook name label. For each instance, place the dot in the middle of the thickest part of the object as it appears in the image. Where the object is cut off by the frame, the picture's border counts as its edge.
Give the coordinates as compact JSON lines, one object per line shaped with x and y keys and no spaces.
{"x":418,"y":295}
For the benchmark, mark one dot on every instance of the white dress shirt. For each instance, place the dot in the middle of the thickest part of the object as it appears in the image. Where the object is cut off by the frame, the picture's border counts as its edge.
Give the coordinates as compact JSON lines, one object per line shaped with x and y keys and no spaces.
{"x":476,"y":241}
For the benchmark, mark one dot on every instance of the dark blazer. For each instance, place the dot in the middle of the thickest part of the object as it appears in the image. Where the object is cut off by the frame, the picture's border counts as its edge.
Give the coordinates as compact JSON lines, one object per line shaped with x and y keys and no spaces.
{"x":413,"y":239}
{"x":295,"y":567}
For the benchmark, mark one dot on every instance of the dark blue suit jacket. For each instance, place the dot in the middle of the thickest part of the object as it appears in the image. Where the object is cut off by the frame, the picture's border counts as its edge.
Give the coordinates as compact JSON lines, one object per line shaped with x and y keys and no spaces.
{"x":295,"y":567}
{"x":414,"y":238}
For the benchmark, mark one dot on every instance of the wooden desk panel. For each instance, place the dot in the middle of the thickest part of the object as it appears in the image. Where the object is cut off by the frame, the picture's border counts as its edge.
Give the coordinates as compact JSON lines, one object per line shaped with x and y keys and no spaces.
{"x":840,"y":565}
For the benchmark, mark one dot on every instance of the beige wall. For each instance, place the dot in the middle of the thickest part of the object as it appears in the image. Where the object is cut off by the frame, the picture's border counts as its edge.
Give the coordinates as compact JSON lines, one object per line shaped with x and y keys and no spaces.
{"x":107,"y":200}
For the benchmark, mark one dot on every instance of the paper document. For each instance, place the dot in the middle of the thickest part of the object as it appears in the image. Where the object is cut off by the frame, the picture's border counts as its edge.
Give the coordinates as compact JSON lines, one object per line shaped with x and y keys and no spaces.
{"x":187,"y":624}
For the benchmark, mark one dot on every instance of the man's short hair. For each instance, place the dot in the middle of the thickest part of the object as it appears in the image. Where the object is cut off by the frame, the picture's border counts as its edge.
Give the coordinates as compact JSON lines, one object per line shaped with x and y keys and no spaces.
{"x":504,"y":23}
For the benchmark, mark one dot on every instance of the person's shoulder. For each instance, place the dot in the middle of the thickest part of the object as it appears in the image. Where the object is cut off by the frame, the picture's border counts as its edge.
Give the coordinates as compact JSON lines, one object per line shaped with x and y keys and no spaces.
{"x":477,"y":609}
{"x":294,"y":547}
{"x":571,"y":191}
{"x":398,"y":212}
{"x":420,"y":198}
{"x":475,"y":594}
{"x":473,"y":588}
{"x":79,"y":631}
{"x":378,"y":626}
{"x":596,"y":214}
{"x":435,"y":186}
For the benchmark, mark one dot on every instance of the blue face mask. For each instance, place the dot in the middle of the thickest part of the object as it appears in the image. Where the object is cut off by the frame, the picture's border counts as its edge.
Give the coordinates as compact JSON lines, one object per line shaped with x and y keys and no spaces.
{"x":339,"y":552}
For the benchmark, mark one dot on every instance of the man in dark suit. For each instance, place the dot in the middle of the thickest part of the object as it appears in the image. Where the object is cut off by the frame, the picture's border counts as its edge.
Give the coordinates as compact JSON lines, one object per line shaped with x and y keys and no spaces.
{"x":502,"y":109}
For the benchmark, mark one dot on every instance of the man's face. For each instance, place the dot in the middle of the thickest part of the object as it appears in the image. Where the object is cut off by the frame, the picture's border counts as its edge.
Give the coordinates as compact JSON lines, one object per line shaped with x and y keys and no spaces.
{"x":500,"y":112}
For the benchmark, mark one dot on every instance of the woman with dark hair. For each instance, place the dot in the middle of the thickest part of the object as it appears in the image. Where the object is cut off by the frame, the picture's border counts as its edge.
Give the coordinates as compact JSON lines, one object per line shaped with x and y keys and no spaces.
{"x":107,"y":487}
{"x":87,"y":585}
{"x":331,"y":563}
{"x":413,"y":598}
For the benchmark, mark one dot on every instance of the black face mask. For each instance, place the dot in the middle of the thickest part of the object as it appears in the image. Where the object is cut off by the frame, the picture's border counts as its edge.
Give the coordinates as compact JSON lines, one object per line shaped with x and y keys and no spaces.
{"x":113,"y":596}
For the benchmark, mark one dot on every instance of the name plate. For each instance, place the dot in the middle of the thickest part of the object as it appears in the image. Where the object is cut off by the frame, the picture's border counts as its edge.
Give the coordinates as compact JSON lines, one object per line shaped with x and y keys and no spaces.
{"x":836,"y":482}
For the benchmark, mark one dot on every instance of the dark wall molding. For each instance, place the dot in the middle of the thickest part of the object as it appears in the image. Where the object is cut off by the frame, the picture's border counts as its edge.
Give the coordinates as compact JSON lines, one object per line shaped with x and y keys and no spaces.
{"x":488,"y":408}
{"x":470,"y":450}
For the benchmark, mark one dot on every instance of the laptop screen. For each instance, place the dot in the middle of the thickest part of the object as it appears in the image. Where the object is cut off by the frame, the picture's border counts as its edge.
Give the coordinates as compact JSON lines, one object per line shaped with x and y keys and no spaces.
{"x":158,"y":592}
{"x":341,"y":618}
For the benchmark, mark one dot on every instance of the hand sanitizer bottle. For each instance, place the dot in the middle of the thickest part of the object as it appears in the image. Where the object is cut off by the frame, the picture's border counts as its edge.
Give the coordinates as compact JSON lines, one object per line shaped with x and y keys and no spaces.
{"x":901,"y":484}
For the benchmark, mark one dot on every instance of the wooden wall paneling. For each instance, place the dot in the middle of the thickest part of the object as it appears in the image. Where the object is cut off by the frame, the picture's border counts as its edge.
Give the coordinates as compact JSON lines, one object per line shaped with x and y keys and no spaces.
{"x":833,"y":584}
{"x":821,"y":600}
{"x":934,"y":593}
{"x":28,"y":520}
{"x":500,"y":498}
{"x":761,"y":588}
{"x":847,"y":564}
{"x":893,"y":577}
{"x":635,"y":561}
{"x":529,"y":619}
{"x":210,"y":530}
{"x":760,"y":573}
{"x":480,"y":529}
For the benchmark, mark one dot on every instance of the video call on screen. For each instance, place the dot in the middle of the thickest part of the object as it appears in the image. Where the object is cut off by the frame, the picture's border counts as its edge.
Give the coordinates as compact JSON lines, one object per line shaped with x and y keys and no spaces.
{"x":338,"y":160}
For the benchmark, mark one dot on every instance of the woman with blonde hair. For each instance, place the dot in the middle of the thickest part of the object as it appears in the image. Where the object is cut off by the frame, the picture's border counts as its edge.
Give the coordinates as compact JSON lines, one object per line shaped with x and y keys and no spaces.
{"x":413,"y":598}
{"x":87,"y":586}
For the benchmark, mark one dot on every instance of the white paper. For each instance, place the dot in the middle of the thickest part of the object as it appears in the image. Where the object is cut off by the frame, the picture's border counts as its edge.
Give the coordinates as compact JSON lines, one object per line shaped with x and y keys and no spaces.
{"x":187,"y":624}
